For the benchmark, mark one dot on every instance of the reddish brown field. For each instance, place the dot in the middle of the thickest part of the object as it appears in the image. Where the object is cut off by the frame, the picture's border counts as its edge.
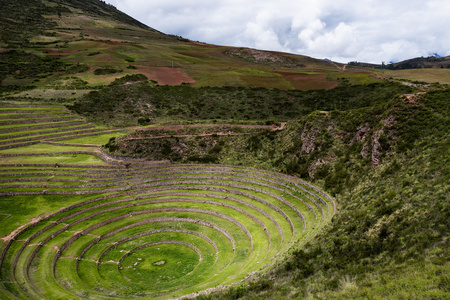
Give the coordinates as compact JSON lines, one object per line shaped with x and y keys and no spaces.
{"x":308,"y":81}
{"x":112,"y":43}
{"x":164,"y":75}
{"x":61,"y":51}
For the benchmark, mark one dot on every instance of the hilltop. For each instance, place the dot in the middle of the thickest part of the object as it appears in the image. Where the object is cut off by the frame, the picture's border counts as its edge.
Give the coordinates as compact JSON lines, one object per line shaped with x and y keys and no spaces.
{"x":413,"y":63}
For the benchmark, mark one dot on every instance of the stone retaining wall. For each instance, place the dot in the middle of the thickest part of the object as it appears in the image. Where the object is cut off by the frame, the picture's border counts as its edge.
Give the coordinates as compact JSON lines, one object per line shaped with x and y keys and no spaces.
{"x":40,"y":121}
{"x":45,"y":132}
{"x":7,"y":130}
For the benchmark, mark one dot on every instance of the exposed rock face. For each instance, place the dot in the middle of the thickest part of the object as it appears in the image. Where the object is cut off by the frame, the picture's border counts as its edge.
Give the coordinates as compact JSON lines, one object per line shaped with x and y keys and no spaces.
{"x":308,"y":137}
{"x":365,"y":150}
{"x":373,"y":146}
{"x":376,"y":148}
{"x":389,"y":121}
{"x":312,"y":167}
{"x":361,"y":133}
{"x":260,"y":56}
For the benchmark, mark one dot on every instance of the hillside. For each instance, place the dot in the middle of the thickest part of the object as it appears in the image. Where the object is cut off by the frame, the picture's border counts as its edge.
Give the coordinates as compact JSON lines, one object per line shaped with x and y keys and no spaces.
{"x":136,"y":164}
{"x":68,"y":45}
{"x":413,"y":63}
{"x":388,"y":168}
{"x":93,"y":42}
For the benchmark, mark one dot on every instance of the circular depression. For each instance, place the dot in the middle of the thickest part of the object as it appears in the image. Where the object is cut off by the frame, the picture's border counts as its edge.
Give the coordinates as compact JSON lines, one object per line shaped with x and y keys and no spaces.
{"x":159,"y":231}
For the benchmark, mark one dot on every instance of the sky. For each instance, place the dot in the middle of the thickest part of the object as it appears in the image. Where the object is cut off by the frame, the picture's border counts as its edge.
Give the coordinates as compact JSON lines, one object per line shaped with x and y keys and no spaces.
{"x":372,"y":31}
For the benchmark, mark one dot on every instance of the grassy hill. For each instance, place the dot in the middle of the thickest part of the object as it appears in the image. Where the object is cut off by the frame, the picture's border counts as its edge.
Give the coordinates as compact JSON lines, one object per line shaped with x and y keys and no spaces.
{"x":137,"y":164}
{"x":387,"y":166}
{"x":51,"y":44}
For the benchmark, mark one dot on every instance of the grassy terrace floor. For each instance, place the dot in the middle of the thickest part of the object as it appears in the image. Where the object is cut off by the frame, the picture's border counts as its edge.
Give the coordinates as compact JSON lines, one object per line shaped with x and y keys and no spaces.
{"x":76,"y":223}
{"x":27,"y":125}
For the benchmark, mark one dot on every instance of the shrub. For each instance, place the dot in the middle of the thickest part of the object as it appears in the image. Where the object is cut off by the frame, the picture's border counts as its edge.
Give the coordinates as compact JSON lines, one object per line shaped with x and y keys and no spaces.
{"x":106,"y":71}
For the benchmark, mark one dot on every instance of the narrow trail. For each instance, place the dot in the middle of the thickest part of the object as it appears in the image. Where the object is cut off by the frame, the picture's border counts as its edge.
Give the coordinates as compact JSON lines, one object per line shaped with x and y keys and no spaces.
{"x":180,"y":127}
{"x":343,"y":68}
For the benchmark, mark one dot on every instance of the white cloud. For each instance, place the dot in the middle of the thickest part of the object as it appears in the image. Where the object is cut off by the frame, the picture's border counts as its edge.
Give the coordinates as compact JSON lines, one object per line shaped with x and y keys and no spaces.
{"x":342,"y":30}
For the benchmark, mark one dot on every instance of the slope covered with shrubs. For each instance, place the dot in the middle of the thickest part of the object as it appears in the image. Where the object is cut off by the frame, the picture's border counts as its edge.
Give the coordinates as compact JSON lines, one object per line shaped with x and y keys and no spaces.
{"x":114,"y":104}
{"x":388,"y":168}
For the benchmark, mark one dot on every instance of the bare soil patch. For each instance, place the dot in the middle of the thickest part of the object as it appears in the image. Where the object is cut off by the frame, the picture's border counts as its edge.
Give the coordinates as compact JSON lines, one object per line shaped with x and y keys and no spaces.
{"x":61,"y":51}
{"x":165,"y":75}
{"x":308,"y":81}
{"x":13,"y":234}
{"x":112,"y":43}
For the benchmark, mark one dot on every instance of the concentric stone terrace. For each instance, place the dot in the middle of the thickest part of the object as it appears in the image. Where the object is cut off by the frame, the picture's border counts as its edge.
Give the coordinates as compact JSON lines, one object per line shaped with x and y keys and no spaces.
{"x":153,"y":230}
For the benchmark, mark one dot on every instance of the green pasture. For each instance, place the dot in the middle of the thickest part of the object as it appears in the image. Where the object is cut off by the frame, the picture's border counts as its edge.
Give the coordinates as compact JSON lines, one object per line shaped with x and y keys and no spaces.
{"x":41,"y":148}
{"x":25,"y":105}
{"x":422,"y":75}
{"x":80,"y":159}
{"x":30,"y":114}
{"x":27,"y":127}
{"x":44,"y":119}
{"x":31,"y":132}
{"x":99,"y":139}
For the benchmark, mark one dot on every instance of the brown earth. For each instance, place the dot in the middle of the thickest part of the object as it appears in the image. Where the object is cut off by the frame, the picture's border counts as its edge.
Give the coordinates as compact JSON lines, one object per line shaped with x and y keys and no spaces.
{"x":13,"y":234}
{"x":308,"y":81}
{"x":60,"y":51}
{"x":164,"y":75}
{"x":112,"y":43}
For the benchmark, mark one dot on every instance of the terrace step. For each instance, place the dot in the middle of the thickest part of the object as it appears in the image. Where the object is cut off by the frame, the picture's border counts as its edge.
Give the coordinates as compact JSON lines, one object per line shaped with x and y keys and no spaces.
{"x":234,"y":220}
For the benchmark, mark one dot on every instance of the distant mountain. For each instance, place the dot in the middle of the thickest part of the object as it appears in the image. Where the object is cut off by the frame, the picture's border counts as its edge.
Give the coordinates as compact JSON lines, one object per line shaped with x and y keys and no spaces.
{"x":432,"y":61}
{"x":423,"y":62}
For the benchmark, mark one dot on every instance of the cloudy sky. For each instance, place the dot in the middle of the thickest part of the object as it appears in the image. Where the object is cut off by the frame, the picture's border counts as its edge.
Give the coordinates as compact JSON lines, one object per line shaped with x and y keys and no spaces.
{"x":340,"y":30}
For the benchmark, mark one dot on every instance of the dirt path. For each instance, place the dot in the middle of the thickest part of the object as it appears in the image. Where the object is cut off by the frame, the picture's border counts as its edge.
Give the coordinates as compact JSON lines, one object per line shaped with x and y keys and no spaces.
{"x":18,"y":229}
{"x":343,"y":68}
{"x":179,"y":127}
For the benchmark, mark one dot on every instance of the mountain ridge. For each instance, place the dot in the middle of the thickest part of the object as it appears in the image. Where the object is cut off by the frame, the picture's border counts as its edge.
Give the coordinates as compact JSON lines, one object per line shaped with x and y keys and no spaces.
{"x":94,"y":35}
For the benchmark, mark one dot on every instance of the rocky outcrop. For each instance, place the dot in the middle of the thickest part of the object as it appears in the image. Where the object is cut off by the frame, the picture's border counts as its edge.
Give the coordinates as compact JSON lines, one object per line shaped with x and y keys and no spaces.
{"x":361,"y":133}
{"x":376,"y":148}
{"x":312,"y":167}
{"x":308,"y":137}
{"x":372,"y":147}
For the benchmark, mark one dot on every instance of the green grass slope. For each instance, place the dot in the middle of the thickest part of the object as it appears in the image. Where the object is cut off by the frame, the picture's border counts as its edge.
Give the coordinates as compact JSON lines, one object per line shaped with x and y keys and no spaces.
{"x":96,"y":43}
{"x":385,"y":161}
{"x":45,"y":44}
{"x":388,"y":167}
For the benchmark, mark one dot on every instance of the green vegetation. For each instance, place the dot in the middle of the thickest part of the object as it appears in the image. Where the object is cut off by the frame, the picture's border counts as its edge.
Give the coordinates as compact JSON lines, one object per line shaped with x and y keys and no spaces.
{"x":218,"y":171}
{"x":22,"y":20}
{"x":114,"y":104}
{"x":392,"y":219}
{"x":186,"y":227}
{"x":198,"y":144}
{"x":27,"y":65}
